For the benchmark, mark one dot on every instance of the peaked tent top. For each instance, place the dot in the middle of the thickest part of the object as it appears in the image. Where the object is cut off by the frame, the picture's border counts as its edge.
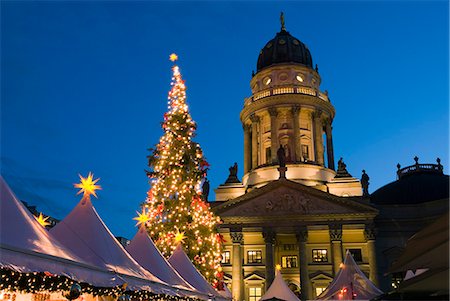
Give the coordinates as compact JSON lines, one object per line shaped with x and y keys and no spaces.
{"x":279,"y":290}
{"x":25,"y":245}
{"x":351,"y":283}
{"x":144,"y":251}
{"x":181,"y":263}
{"x":84,"y":232}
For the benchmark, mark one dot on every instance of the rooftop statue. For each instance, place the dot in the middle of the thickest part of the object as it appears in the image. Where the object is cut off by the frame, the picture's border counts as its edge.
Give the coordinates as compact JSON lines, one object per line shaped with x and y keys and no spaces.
{"x":205,"y":190}
{"x":342,"y":170}
{"x":365,"y":183}
{"x":232,"y":177}
{"x":281,"y":154}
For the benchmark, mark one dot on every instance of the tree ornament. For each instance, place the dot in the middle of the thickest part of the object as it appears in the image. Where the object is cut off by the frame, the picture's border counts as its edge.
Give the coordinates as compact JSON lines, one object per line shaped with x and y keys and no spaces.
{"x":74,"y":293}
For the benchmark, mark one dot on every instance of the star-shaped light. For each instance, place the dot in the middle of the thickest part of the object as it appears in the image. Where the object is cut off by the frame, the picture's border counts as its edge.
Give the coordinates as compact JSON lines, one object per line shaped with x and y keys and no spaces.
{"x":180,"y":237}
{"x":87,"y":185}
{"x":142,"y":218}
{"x":173,"y":57}
{"x":42,"y":220}
{"x":278,"y":267}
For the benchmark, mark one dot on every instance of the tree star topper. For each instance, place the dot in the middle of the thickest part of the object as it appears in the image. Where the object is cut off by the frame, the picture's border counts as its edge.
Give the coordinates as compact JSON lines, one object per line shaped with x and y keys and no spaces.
{"x":87,"y":185}
{"x":180,"y":237}
{"x":142,"y":218}
{"x":42,"y":220}
{"x":173,"y":57}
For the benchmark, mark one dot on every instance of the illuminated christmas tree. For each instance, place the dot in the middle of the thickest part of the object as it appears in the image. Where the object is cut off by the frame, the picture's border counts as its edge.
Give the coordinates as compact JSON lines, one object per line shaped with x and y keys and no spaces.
{"x":177,"y":211}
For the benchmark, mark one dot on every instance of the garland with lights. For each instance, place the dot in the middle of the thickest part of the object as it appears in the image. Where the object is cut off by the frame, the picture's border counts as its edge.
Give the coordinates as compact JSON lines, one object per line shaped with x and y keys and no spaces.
{"x":35,"y":282}
{"x":176,"y":211}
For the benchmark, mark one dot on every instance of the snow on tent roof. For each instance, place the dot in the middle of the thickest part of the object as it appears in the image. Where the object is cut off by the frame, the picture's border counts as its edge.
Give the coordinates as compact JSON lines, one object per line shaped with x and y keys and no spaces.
{"x":279,"y":290}
{"x":181,"y":263}
{"x":84,"y":232}
{"x":25,"y":245}
{"x":144,"y":251}
{"x":348,"y":281}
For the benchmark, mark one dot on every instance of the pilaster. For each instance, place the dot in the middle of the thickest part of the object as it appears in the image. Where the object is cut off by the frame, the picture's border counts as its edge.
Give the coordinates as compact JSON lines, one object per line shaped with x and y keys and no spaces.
{"x":295,"y":116}
{"x":302,"y":238}
{"x":336,"y":245}
{"x":269,"y":239}
{"x":237,"y":275}
{"x":247,"y":147}
{"x":318,"y":144}
{"x":369,"y":235}
{"x":273,"y":112}
{"x":255,"y":122}
{"x":330,"y":151}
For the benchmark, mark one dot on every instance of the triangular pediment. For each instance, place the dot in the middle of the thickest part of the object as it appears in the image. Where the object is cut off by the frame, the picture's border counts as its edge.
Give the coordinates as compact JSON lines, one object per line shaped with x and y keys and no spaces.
{"x":287,"y":198}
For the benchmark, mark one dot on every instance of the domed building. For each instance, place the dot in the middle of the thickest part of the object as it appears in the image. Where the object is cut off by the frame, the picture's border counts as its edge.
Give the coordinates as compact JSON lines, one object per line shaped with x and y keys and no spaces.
{"x":292,"y":207}
{"x":418,"y":197}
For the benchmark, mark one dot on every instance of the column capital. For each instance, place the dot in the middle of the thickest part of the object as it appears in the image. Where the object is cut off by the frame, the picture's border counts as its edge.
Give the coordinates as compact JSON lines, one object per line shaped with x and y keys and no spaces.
{"x":246,"y":127}
{"x":316,"y":114}
{"x":269,"y":236}
{"x":335,"y":232}
{"x":370,"y":232}
{"x":237,"y":237}
{"x":273,"y":112}
{"x":301,"y":234}
{"x":295,"y":109}
{"x":254,"y":118}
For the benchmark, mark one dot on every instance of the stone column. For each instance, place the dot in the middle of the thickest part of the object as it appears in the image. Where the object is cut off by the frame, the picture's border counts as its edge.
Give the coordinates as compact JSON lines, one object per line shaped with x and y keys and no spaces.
{"x":369,"y":234}
{"x":295,"y":117}
{"x":318,"y":144}
{"x":237,"y":283}
{"x":273,"y":134}
{"x":302,"y":238}
{"x":255,"y":120}
{"x":269,"y":239}
{"x":330,"y":152}
{"x":247,"y":148}
{"x":336,"y":246}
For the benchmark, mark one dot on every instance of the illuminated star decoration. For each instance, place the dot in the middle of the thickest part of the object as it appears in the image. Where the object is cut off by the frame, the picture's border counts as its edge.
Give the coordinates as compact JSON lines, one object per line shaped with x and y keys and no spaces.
{"x":142,"y":218}
{"x":87,"y":185}
{"x":278,"y":267}
{"x":42,"y":220}
{"x":173,"y":57}
{"x":180,"y":237}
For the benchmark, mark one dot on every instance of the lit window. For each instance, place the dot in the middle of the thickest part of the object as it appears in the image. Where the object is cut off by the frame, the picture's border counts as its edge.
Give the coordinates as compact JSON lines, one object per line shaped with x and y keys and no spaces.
{"x":319,"y":290}
{"x":254,"y":256}
{"x":305,"y":152}
{"x":226,"y":257}
{"x":268,"y":155}
{"x":254,"y":293}
{"x":299,"y":78}
{"x":356,"y":253}
{"x":289,"y":261}
{"x":267,"y":80}
{"x":320,"y":255}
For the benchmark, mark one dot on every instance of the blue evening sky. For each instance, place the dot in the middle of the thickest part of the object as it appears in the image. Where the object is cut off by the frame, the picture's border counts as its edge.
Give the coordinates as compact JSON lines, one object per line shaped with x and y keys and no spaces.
{"x":84,"y":88}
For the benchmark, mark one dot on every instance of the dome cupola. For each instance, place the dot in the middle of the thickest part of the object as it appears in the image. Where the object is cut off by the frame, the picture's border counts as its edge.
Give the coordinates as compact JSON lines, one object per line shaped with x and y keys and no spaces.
{"x":284,"y":48}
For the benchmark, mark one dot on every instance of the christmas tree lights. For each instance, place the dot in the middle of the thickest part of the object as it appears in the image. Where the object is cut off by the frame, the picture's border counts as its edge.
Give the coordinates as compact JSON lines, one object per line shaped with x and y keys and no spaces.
{"x":176,"y":209}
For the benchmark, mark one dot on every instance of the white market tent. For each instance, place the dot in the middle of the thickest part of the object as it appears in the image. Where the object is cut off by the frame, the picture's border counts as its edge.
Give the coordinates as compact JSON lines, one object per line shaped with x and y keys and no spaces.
{"x":279,"y":290}
{"x":181,"y":263}
{"x":25,"y":246}
{"x":84,"y":233}
{"x":350,"y":283}
{"x":144,"y":251}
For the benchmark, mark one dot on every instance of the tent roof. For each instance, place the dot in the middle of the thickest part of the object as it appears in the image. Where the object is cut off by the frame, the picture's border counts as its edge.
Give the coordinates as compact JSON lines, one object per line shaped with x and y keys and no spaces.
{"x":84,"y":232}
{"x":144,"y":251}
{"x":181,"y":263}
{"x":26,"y":246}
{"x":279,"y":290}
{"x":351,"y":279}
{"x":424,"y":249}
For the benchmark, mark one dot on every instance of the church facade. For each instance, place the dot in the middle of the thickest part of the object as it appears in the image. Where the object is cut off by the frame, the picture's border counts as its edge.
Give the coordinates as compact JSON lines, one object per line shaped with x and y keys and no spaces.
{"x":293,"y":207}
